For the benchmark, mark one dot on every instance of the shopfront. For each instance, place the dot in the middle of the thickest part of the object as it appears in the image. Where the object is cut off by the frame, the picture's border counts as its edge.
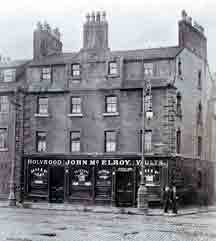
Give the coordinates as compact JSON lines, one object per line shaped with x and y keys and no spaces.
{"x":102,"y":180}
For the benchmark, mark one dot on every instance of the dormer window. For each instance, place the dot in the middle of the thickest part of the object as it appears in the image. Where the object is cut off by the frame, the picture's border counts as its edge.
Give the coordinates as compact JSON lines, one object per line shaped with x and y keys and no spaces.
{"x":9,"y":75}
{"x":148,"y":69}
{"x":113,"y":68}
{"x":46,"y":74}
{"x":75,"y":70}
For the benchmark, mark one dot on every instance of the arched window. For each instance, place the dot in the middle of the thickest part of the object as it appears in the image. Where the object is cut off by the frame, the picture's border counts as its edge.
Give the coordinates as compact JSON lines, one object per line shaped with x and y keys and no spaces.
{"x":179,"y":105}
{"x":178,"y":141}
{"x":199,"y":114}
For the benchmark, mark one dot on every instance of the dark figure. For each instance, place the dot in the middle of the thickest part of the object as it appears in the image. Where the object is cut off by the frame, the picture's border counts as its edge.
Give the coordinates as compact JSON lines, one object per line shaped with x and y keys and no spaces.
{"x":173,"y":199}
{"x":166,"y":199}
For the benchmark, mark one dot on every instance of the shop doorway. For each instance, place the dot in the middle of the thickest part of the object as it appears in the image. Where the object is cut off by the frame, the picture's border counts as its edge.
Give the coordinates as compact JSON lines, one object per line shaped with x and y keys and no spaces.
{"x":57,"y":184}
{"x":124,"y":187}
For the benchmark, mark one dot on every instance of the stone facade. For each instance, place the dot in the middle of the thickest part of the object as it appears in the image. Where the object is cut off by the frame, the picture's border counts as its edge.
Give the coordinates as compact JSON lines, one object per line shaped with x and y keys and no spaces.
{"x":176,"y":70}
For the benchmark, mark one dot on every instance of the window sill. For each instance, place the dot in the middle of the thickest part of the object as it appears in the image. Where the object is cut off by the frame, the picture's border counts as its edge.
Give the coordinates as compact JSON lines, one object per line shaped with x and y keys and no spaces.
{"x":113,"y":75}
{"x":41,"y":115}
{"x":111,"y":114}
{"x":3,"y":149}
{"x":75,"y":115}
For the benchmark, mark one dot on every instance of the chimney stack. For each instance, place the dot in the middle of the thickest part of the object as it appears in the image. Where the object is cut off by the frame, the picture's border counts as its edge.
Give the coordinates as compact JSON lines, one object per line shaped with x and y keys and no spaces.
{"x":95,"y":31}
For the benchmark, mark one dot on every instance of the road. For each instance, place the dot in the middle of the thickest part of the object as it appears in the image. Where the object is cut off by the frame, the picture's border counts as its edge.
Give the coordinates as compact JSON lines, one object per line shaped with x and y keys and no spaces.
{"x":50,"y":225}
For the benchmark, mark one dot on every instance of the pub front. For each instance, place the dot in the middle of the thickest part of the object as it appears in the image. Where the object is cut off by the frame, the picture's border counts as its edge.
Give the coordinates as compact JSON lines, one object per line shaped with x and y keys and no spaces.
{"x":92,"y":180}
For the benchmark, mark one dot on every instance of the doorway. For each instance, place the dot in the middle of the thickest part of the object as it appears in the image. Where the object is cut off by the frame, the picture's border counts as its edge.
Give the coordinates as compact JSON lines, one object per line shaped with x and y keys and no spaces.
{"x":124,"y":187}
{"x":57,"y":184}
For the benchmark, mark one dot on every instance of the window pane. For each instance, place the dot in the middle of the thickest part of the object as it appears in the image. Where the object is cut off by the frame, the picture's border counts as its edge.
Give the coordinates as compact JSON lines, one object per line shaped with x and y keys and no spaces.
{"x":75,"y":141}
{"x":3,"y":138}
{"x":41,"y":141}
{"x":75,"y":69}
{"x":113,"y":68}
{"x":46,"y":73}
{"x":75,"y":105}
{"x":148,"y":69}
{"x":4,"y":104}
{"x":110,"y":139}
{"x":111,"y":104}
{"x":43,"y":105}
{"x":148,"y":141}
{"x":9,"y":75}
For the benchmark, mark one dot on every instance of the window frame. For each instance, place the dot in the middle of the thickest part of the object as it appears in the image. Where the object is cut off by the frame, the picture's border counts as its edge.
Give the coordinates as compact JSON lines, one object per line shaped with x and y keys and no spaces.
{"x":78,"y":106}
{"x":44,"y":73}
{"x":9,"y":77}
{"x":109,"y":143}
{"x":4,"y":130}
{"x":72,"y":141}
{"x":44,"y":141}
{"x":110,"y":68}
{"x":39,"y":105}
{"x":147,"y":70}
{"x":112,"y":106}
{"x":146,"y":149}
{"x":73,"y":71}
{"x":4,"y":103}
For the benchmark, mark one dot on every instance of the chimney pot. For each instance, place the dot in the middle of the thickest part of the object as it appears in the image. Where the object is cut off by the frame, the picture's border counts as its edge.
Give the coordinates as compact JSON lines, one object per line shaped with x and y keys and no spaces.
{"x":98,"y":16}
{"x":103,"y":16}
{"x":87,"y":17}
{"x":93,"y":16}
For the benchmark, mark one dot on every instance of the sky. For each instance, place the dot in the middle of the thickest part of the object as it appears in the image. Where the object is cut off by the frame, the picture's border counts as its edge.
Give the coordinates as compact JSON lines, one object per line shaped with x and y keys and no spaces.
{"x":133,"y":24}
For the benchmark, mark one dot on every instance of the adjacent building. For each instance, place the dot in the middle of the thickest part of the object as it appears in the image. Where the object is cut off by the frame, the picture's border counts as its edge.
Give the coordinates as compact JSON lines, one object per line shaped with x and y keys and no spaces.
{"x":71,"y":124}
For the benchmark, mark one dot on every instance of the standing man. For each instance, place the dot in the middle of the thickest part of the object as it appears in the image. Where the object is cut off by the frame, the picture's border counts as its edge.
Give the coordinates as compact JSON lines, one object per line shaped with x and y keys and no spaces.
{"x":166,"y":198}
{"x":174,"y":199}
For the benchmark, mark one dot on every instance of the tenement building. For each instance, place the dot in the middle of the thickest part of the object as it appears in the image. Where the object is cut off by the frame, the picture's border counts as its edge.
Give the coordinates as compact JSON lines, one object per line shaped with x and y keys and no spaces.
{"x":72,"y":124}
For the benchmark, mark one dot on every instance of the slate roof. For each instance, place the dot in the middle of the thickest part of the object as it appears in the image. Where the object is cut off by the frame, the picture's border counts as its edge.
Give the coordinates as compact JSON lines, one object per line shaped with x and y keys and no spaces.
{"x":146,"y":54}
{"x":14,"y":63}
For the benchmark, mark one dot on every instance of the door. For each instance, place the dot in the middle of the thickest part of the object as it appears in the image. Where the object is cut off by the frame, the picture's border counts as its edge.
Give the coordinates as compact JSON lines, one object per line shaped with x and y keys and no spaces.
{"x":57,"y":184}
{"x":124,"y":187}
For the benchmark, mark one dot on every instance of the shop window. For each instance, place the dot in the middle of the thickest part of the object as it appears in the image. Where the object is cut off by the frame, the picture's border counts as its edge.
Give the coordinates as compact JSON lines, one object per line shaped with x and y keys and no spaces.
{"x":9,"y":75}
{"x":199,"y":114}
{"x":110,"y":141}
{"x":111,"y":104}
{"x":152,"y":175}
{"x":41,"y":141}
{"x":46,"y":74}
{"x":42,"y":105}
{"x":179,"y":67}
{"x":199,"y":79}
{"x":76,"y":105}
{"x":75,"y":141}
{"x":112,"y":68}
{"x":179,"y":105}
{"x":148,"y":69}
{"x":178,"y":141}
{"x":39,"y":175}
{"x":199,"y":146}
{"x":3,"y":138}
{"x":75,"y":70}
{"x":4,"y":104}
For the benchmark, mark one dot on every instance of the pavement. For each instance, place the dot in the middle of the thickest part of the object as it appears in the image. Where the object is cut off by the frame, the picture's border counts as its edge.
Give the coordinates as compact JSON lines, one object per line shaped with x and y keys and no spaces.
{"x":188,"y":210}
{"x":27,"y":224}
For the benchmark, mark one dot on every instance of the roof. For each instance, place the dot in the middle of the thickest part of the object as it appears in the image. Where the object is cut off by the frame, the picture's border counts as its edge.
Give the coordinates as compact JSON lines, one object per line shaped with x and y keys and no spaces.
{"x":145,"y":54}
{"x":14,"y":63}
{"x":153,"y":53}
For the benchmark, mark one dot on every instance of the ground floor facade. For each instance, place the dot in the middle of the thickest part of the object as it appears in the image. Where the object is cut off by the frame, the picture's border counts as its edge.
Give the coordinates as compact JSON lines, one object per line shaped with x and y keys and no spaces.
{"x":112,"y":180}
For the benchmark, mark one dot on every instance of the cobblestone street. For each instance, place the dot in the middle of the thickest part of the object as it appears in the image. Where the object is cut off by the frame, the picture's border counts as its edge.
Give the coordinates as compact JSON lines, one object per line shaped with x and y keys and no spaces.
{"x":42,"y":225}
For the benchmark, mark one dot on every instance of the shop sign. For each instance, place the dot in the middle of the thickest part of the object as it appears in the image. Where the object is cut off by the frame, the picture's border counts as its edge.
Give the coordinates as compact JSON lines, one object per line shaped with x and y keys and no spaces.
{"x":97,"y":162}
